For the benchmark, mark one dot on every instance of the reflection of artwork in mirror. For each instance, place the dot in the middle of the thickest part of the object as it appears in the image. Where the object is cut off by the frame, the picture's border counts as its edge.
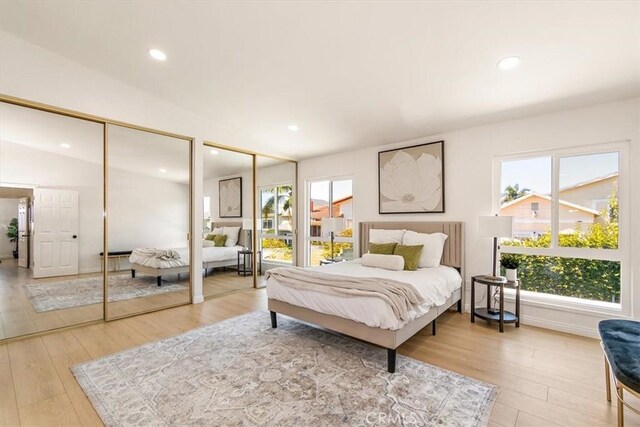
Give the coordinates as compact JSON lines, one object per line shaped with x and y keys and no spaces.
{"x":230,"y":197}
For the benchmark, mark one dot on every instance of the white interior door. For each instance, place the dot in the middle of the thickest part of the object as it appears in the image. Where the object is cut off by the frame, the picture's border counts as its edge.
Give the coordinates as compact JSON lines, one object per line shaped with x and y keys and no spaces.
{"x":23,"y":233}
{"x":55,"y":232}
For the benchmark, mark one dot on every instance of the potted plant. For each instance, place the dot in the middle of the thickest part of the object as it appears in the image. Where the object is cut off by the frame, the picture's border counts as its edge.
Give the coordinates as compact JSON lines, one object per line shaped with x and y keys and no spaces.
{"x":12,"y":234}
{"x":510,"y":263}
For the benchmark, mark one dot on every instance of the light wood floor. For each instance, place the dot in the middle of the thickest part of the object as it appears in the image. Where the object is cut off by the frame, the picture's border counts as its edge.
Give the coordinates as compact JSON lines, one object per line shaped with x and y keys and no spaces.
{"x":17,"y":316}
{"x":546,"y":378}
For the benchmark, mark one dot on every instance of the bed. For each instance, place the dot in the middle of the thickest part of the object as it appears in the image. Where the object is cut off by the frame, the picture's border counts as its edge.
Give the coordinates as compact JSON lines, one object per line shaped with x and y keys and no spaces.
{"x":373,"y":328}
{"x":212,"y":257}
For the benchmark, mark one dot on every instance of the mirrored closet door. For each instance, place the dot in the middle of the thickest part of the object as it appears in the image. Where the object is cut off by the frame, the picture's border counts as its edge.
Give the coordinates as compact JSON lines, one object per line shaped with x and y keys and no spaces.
{"x":276,"y":208}
{"x":227,"y":232}
{"x":148,"y":221}
{"x":51,"y":220}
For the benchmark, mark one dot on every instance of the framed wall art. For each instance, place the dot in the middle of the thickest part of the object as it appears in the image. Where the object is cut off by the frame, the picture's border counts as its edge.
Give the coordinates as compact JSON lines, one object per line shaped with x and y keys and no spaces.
{"x":230,"y":197}
{"x":411,"y":179}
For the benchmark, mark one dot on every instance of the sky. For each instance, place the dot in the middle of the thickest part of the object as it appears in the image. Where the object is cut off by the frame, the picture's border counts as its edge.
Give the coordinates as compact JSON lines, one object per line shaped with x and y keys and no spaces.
{"x":535,"y":173}
{"x":320,"y":189}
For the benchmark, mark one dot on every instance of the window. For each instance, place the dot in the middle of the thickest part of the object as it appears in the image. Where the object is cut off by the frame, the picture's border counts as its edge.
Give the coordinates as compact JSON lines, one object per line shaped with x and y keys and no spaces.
{"x":566,"y":210}
{"x":329,"y":198}
{"x":276,"y":223}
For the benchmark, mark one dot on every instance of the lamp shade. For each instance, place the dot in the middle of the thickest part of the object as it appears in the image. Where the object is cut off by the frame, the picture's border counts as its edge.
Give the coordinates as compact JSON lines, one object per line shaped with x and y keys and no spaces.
{"x":495,"y":226}
{"x":332,"y":225}
{"x":247,"y":224}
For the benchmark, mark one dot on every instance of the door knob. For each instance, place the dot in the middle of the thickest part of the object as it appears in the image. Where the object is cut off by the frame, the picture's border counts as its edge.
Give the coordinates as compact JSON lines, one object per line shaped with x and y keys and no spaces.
{"x":74,"y":236}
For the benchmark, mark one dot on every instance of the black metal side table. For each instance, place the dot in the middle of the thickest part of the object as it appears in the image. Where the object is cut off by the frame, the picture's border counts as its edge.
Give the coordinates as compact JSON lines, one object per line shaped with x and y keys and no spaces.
{"x":491,"y":314}
{"x":245,"y":267}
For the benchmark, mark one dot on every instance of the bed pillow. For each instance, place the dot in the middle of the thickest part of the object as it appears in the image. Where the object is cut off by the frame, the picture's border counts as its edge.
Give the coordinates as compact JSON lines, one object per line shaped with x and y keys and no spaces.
{"x":433,"y":247}
{"x":220,"y":240}
{"x":217,"y":230}
{"x":208,"y":243}
{"x":385,"y":236}
{"x":411,"y":255}
{"x":382,"y":248}
{"x":232,"y":235}
{"x":388,"y":262}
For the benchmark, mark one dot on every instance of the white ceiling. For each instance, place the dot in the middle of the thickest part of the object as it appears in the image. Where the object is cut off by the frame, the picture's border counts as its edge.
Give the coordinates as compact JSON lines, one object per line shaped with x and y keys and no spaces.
{"x":349,"y":74}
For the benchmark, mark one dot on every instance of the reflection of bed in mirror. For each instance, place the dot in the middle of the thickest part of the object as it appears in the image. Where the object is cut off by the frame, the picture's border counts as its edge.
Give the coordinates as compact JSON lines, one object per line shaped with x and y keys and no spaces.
{"x":351,"y":316}
{"x":212,"y":257}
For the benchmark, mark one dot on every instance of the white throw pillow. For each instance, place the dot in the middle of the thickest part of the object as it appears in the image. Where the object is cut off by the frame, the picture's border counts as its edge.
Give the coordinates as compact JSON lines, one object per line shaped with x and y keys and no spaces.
{"x":385,"y":236}
{"x":432,"y":249}
{"x":232,"y":235}
{"x":388,"y":262}
{"x":208,"y":244}
{"x":217,"y":230}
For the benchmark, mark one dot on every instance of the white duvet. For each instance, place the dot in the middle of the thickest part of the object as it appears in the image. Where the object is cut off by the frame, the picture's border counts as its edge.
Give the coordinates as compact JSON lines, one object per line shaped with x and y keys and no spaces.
{"x":209,"y":254}
{"x":435,"y":284}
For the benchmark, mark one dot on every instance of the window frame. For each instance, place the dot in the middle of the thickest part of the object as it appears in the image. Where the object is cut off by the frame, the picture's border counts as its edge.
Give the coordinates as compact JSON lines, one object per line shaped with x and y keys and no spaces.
{"x":261,"y":235}
{"x":307,"y":215}
{"x":621,"y":254}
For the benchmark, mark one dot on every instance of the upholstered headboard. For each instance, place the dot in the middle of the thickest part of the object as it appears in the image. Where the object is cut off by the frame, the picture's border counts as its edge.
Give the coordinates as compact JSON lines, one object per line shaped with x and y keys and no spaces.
{"x":453,"y":254}
{"x":242,"y":236}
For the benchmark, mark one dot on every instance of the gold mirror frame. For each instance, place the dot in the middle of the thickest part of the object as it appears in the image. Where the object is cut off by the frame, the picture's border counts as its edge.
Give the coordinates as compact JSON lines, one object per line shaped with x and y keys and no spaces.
{"x":254,"y":212}
{"x":105,"y":143}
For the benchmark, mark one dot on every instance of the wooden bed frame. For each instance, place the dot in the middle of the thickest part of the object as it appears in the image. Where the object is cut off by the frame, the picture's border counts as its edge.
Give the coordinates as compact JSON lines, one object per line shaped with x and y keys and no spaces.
{"x":159,"y":272}
{"x":453,"y":256}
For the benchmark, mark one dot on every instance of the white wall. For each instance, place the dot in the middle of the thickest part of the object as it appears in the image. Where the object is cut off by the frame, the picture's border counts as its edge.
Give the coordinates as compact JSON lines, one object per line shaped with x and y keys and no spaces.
{"x":469,"y":159}
{"x":8,"y":210}
{"x":145,"y":211}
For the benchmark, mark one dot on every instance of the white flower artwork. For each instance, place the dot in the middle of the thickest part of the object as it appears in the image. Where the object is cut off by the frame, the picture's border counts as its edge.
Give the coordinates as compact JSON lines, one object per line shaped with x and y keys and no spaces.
{"x":230,"y":198}
{"x":411,"y":179}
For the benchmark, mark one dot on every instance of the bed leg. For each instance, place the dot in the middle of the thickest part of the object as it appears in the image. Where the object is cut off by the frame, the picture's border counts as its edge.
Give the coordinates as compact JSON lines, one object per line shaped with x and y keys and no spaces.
{"x":274,"y":320}
{"x":159,"y":280}
{"x":391,"y":360}
{"x":460,"y":305}
{"x":133,"y":273}
{"x":433,"y":327}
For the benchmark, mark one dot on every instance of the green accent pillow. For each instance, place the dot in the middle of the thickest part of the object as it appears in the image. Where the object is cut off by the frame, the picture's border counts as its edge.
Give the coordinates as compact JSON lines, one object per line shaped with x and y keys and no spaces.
{"x":382,"y":248}
{"x":211,"y":237}
{"x":411,"y":255}
{"x":220,"y":239}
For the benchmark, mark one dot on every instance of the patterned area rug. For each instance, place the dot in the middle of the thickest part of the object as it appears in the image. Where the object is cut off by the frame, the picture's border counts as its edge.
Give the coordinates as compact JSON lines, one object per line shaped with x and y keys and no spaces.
{"x":240,"y":372}
{"x":79,"y":292}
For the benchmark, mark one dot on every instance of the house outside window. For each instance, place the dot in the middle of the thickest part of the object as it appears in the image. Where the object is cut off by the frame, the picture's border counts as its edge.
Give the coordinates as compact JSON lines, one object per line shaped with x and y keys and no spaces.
{"x":329,"y":198}
{"x":569,"y":220}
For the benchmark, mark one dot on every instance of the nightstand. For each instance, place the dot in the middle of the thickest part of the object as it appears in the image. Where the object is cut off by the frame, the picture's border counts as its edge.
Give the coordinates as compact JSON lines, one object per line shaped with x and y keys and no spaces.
{"x":245,"y":267}
{"x":490,"y":314}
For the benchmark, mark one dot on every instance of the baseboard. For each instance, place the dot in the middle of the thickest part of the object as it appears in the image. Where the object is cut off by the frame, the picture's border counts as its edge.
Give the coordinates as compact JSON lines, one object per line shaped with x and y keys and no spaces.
{"x":198,"y":299}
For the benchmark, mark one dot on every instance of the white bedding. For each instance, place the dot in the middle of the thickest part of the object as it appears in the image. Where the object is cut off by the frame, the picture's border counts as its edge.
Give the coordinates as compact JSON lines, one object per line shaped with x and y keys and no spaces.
{"x":209,"y":254}
{"x":435,"y":284}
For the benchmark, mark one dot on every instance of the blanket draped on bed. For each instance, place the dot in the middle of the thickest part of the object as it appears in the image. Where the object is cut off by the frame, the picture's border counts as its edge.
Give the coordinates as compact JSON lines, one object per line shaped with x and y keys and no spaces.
{"x":164,"y":254}
{"x":399,"y":295}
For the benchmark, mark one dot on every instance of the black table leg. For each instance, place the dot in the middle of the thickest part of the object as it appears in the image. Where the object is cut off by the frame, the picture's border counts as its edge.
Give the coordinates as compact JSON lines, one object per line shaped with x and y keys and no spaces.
{"x":501,"y":308}
{"x":473,"y":300}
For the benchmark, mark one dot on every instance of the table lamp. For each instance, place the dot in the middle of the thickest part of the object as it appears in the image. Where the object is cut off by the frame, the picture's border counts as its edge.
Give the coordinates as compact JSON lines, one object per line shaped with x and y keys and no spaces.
{"x":247,"y":225}
{"x":495,"y":226}
{"x":332,"y":225}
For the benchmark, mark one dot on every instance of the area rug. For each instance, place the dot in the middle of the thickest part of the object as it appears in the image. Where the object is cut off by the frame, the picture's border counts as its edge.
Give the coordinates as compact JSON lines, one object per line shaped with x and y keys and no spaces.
{"x":241,"y":372}
{"x":79,"y":292}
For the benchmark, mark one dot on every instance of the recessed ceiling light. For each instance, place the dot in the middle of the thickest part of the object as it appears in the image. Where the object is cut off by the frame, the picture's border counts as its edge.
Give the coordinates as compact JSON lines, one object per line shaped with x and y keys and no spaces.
{"x":509,"y":63}
{"x":293,"y":128}
{"x":214,"y":152}
{"x":162,"y":170}
{"x":157,"y":54}
{"x":64,"y":145}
